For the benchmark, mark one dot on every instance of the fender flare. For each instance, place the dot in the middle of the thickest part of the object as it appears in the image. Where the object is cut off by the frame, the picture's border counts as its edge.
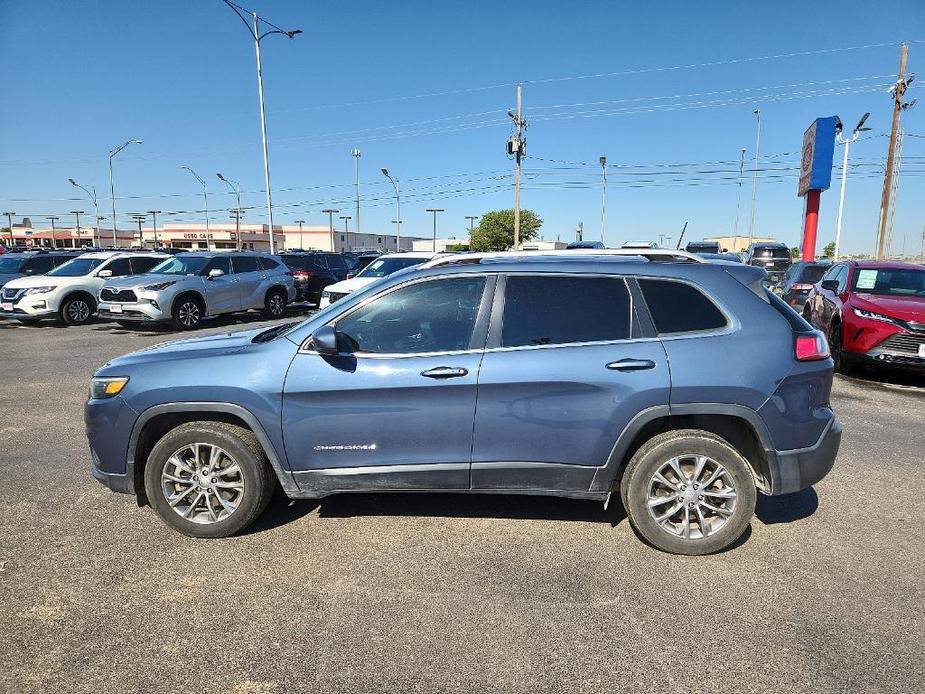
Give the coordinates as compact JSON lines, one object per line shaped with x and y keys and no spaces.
{"x":285,"y":477}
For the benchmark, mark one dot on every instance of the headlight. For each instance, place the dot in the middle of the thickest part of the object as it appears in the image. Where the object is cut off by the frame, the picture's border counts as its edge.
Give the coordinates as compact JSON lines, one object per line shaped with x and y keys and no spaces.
{"x":102,"y":388}
{"x":159,"y":286}
{"x":40,"y":290}
{"x":870,"y":315}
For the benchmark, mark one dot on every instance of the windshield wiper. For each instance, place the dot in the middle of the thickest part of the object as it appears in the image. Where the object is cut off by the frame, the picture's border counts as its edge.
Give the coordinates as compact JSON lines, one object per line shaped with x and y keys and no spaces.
{"x":272,"y":333}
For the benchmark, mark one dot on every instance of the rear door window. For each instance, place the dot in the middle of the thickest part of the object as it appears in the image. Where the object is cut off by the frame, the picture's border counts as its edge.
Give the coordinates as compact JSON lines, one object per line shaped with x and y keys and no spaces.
{"x":221,"y":262}
{"x":335,"y":262}
{"x":119,"y":267}
{"x":39,"y":265}
{"x":267,"y":263}
{"x":142,"y":265}
{"x":549,"y":309}
{"x":245,"y":263}
{"x":677,"y":307}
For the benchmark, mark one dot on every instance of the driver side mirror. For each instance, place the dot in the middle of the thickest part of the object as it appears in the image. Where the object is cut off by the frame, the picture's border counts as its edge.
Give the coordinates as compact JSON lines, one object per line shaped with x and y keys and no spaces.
{"x":324,"y":340}
{"x":215,"y":273}
{"x":831,"y":285}
{"x":105,"y":274}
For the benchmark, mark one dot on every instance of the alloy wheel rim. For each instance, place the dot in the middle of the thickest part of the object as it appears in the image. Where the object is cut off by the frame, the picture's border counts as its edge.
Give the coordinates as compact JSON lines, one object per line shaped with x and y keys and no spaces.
{"x":78,"y":311}
{"x":189,"y":313}
{"x":202,"y":483}
{"x":691,"y":496}
{"x":276,"y":305}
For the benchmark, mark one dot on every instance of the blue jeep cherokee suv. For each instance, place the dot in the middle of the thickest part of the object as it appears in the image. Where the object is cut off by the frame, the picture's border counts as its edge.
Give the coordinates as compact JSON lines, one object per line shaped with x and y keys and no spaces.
{"x":682,"y":386}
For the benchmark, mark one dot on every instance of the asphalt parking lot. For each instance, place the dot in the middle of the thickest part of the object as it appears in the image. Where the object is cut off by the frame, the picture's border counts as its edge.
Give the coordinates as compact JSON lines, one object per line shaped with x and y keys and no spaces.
{"x":446,"y":593}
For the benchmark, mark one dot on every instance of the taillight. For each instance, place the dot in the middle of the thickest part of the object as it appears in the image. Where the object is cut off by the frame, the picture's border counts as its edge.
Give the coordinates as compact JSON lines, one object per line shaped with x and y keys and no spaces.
{"x":301,"y":274}
{"x":802,"y":287}
{"x":349,"y":276}
{"x":811,"y":347}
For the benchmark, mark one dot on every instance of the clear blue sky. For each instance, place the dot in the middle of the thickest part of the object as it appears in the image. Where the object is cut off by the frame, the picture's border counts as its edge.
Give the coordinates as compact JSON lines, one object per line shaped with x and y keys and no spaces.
{"x":79,"y":78}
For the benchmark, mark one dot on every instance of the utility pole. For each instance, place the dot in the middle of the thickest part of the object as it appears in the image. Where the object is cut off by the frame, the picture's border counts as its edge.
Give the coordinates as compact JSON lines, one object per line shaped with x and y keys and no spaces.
{"x":330,"y":214}
{"x":471,"y":219}
{"x":77,"y":213}
{"x":53,"y":220}
{"x":735,"y":228}
{"x":9,"y":219}
{"x":139,"y":218}
{"x":603,"y":161}
{"x":517,"y":146}
{"x":435,"y":211}
{"x":153,"y":214}
{"x":356,"y":155}
{"x":346,"y":232}
{"x":751,"y":224}
{"x":300,"y":222}
{"x":580,"y":232}
{"x":897,"y":91}
{"x":846,"y":141}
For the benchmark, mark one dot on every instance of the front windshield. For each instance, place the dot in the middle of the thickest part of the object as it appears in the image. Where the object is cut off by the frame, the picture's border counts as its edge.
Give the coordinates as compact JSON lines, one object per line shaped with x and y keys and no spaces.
{"x":10,"y":266}
{"x":890,"y":281}
{"x":181,"y":265}
{"x":383,"y":267}
{"x":78,"y":267}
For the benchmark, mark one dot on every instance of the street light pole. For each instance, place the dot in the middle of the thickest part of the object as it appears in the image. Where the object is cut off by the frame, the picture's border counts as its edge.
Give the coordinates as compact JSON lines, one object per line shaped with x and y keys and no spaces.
{"x":9,"y":219}
{"x":112,"y":187}
{"x":300,"y":222}
{"x":96,"y":208}
{"x":840,"y":139}
{"x":346,"y":230}
{"x":205,"y":194}
{"x":396,"y":184}
{"x":603,"y":161}
{"x":254,"y":30}
{"x":751,"y":224}
{"x":330,"y":214}
{"x":77,"y":213}
{"x":435,"y":211}
{"x":53,"y":220}
{"x":236,"y":189}
{"x":356,"y":156}
{"x":735,"y":229}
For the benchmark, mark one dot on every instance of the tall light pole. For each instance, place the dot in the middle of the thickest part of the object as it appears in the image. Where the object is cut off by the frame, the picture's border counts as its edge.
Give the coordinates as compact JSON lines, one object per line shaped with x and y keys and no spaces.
{"x":751,"y":224}
{"x":236,"y":189}
{"x":735,"y":229}
{"x":9,"y":219}
{"x":346,"y":230}
{"x":330,"y":214}
{"x":153,"y":214}
{"x":396,"y":184}
{"x":254,"y":30}
{"x":846,"y":141}
{"x":53,"y":220}
{"x":205,"y":193}
{"x":112,"y":187}
{"x":356,"y":157}
{"x":603,"y":161}
{"x":96,"y":208}
{"x":77,"y":213}
{"x":300,"y":222}
{"x":435,"y":211}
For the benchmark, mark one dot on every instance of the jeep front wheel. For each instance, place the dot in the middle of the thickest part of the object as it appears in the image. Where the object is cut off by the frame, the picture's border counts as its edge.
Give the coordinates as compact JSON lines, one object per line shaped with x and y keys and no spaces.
{"x":689,"y":492}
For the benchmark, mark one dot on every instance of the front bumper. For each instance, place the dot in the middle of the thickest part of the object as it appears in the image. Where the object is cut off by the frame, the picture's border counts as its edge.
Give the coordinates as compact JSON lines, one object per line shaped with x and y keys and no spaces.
{"x":798,"y":469}
{"x":109,"y":425}
{"x":30,"y":306}
{"x":142,"y":311}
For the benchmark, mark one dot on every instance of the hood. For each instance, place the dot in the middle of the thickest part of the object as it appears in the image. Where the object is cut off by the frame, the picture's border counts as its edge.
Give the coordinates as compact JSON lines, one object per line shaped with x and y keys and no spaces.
{"x":9,"y":277}
{"x":351,"y":285}
{"x":906,"y":308}
{"x":42,"y":281}
{"x":135,"y":281}
{"x":198,"y":347}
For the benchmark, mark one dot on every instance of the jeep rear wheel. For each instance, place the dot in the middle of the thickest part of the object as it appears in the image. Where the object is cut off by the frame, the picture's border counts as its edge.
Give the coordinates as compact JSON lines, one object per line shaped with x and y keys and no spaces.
{"x":208,"y":479}
{"x":188,"y":312}
{"x":689,"y":492}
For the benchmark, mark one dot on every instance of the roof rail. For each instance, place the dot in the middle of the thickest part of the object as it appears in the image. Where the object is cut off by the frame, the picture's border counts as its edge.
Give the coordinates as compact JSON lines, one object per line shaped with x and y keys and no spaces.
{"x":650,"y":254}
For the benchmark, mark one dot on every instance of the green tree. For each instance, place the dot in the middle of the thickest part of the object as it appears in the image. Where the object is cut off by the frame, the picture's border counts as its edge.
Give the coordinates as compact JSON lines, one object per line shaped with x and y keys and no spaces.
{"x":496,"y":230}
{"x":795,"y":252}
{"x":829,"y":250}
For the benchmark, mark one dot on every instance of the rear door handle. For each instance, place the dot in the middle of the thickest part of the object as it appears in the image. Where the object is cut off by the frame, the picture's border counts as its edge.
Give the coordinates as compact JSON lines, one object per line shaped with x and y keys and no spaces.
{"x":631,"y":365}
{"x":445,"y":372}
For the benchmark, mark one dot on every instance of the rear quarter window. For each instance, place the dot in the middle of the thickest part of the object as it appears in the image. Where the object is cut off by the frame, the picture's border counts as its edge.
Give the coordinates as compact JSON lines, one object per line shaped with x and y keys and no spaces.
{"x":677,"y":307}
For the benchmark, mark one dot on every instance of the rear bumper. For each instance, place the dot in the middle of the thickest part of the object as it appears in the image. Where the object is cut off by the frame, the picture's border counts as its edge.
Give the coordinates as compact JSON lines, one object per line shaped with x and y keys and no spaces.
{"x":798,"y":469}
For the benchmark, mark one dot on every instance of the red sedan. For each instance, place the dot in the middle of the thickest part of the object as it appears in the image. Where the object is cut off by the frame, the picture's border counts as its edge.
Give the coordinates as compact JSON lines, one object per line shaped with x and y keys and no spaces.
{"x":872,"y":312}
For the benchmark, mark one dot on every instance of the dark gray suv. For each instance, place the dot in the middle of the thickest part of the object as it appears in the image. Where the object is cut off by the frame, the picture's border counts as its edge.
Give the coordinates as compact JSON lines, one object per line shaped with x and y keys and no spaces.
{"x":682,"y":387}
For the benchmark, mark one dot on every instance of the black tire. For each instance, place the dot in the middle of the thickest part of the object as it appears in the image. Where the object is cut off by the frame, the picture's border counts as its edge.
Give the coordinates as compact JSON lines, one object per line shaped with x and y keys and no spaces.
{"x":188,"y":312}
{"x":842,"y":365}
{"x":77,"y":309}
{"x":656,"y":453}
{"x":274,"y":305}
{"x":243,"y":448}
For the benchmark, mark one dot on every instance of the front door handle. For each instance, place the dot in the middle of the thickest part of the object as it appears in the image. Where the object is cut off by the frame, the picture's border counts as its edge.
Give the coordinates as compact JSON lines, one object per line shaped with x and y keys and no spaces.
{"x":631,"y":365}
{"x":445,"y":372}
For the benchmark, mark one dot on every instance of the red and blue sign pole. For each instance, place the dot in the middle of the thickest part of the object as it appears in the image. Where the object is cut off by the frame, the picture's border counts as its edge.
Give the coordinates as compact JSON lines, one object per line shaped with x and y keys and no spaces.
{"x":815,"y":176}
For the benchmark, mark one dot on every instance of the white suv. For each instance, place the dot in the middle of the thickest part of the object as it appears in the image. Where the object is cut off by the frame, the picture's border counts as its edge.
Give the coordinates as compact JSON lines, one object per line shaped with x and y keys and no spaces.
{"x":69,"y":291}
{"x":383,"y":266}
